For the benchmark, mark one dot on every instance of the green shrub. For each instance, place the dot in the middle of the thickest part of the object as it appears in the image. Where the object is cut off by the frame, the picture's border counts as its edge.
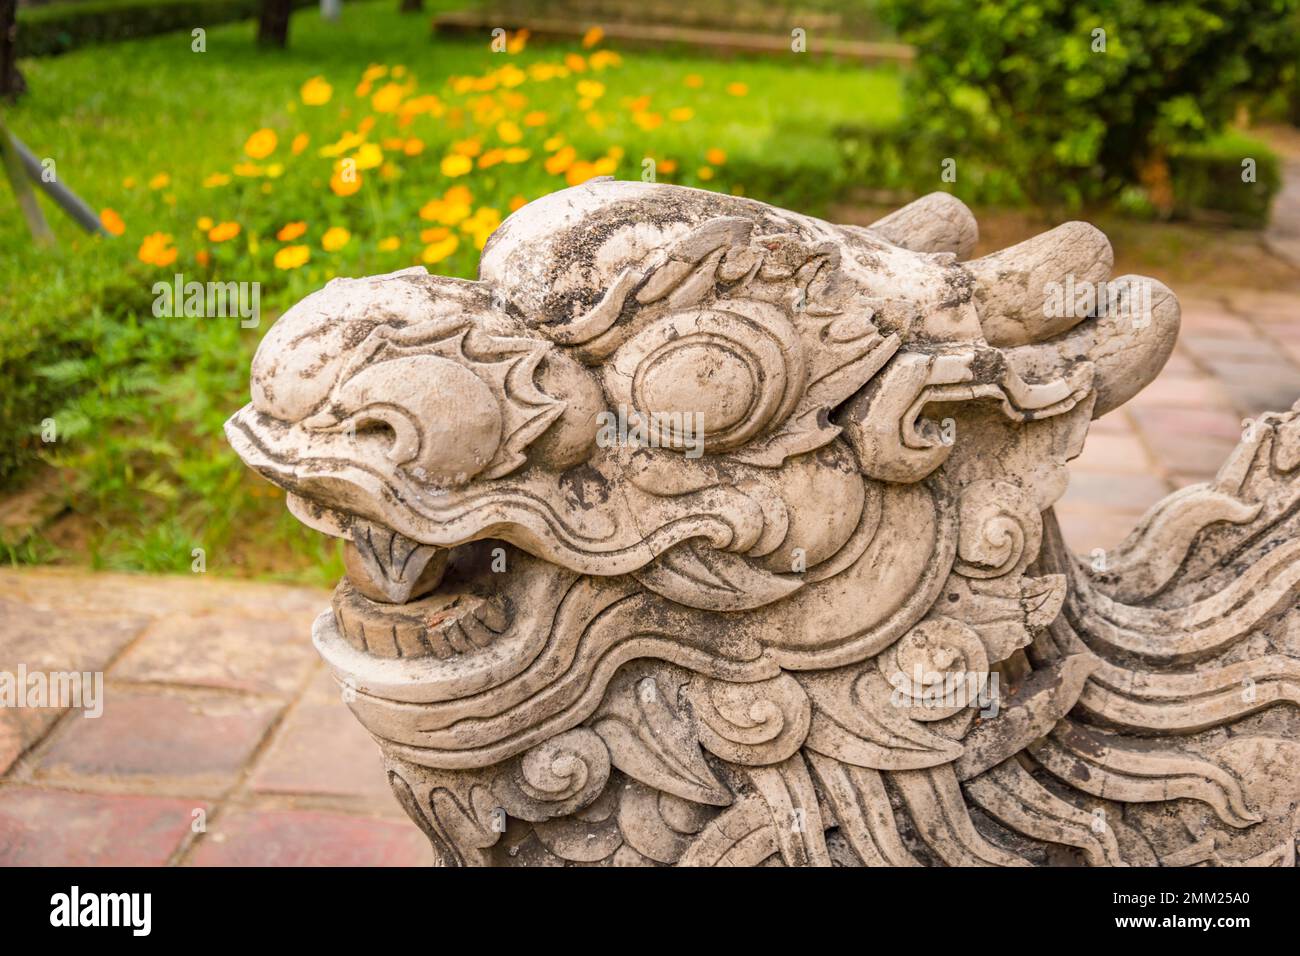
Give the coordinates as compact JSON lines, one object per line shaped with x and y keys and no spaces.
{"x":60,"y":27}
{"x":1081,"y":101}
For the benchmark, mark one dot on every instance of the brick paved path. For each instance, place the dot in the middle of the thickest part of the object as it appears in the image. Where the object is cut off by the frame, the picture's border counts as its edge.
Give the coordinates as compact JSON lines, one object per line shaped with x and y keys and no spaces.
{"x":218,"y":717}
{"x":216,"y":702}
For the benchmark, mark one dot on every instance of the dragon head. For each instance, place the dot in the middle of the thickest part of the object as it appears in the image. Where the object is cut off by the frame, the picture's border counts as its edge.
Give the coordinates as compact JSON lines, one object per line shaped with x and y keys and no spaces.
{"x":769,"y":464}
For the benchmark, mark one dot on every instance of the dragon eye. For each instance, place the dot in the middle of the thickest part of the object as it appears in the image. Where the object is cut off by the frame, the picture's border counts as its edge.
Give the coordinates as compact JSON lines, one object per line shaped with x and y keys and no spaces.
{"x":737,"y":371}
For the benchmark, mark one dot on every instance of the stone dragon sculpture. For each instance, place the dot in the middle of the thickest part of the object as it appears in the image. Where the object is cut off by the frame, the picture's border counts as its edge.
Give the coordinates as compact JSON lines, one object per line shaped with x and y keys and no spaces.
{"x":813,"y":607}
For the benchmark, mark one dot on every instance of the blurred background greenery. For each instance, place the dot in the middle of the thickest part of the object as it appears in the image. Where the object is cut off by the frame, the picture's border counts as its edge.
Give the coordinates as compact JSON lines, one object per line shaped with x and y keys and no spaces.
{"x":226,"y":163}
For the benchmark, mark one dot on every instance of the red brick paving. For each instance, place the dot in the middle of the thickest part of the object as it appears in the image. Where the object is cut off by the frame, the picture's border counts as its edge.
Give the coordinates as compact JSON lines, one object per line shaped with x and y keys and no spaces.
{"x":311,"y":838}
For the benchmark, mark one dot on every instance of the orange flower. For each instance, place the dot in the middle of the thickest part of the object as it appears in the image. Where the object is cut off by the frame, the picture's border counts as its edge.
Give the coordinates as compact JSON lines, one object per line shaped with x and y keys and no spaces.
{"x":335,"y":238}
{"x":223,"y":231}
{"x":517,"y":203}
{"x":575,"y":63}
{"x":668,"y":166}
{"x":112,"y":222}
{"x":203,"y":257}
{"x":413,"y":146}
{"x":261,"y":144}
{"x":561,"y":161}
{"x":693,"y":80}
{"x":437,"y":251}
{"x":737,"y":89}
{"x":160,"y":181}
{"x":580,"y":172}
{"x":387,"y":98}
{"x":291,"y":257}
{"x":534,"y":118}
{"x":299,"y":143}
{"x":291,"y":231}
{"x":341,"y":186}
{"x":716,"y":156}
{"x":456,"y":165}
{"x":593,"y":36}
{"x":157,"y":250}
{"x":509,"y":132}
{"x":215,"y":180}
{"x":316,"y":91}
{"x":648,"y":121}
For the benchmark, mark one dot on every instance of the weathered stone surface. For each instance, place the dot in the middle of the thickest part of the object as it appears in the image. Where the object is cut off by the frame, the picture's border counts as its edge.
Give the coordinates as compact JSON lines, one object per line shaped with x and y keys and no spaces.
{"x":700,"y":532}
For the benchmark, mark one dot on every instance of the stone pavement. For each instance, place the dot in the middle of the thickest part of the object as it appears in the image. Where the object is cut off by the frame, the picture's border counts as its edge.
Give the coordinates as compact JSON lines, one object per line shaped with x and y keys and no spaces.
{"x":224,"y":741}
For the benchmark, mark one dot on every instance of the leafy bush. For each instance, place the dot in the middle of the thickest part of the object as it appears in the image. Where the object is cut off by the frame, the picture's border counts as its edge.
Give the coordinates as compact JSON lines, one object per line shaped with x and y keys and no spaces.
{"x":60,"y":27}
{"x":1083,"y":100}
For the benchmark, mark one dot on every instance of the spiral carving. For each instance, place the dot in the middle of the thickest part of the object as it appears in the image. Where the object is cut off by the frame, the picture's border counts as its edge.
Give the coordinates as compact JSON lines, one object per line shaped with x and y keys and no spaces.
{"x":936,"y":669}
{"x":1000,"y":530}
{"x":751,"y":724}
{"x":555,"y":778}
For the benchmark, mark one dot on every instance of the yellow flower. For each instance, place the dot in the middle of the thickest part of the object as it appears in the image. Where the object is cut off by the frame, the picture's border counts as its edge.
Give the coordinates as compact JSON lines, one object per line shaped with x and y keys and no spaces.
{"x":261,"y":144}
{"x":215,"y":180}
{"x":467,"y":147}
{"x":693,"y":80}
{"x":716,"y":156}
{"x":437,"y":251}
{"x":248,"y":169}
{"x":648,"y":121}
{"x":456,"y":165}
{"x":112,"y":222}
{"x":205,"y":223}
{"x":316,"y":91}
{"x":517,"y":154}
{"x":291,"y":257}
{"x":157,"y":249}
{"x":553,"y":143}
{"x":344,"y":185}
{"x":737,"y":89}
{"x":593,"y":36}
{"x":705,"y":173}
{"x":681,"y":114}
{"x":291,"y":231}
{"x":274,"y":171}
{"x":128,"y":183}
{"x":373,"y":72}
{"x":436,"y":234}
{"x":535,"y":118}
{"x":389,"y":244}
{"x":579,"y":172}
{"x":604,"y":58}
{"x":590,"y":89}
{"x":223,"y":231}
{"x":369,"y":156}
{"x":299,"y":143}
{"x":335,"y":238}
{"x":561,"y":161}
{"x":387,"y":98}
{"x":160,"y":181}
{"x":509,"y":132}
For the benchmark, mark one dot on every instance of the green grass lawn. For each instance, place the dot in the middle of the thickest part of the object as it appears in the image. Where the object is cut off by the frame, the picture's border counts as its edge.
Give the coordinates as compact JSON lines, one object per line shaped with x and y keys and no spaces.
{"x":160,"y":135}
